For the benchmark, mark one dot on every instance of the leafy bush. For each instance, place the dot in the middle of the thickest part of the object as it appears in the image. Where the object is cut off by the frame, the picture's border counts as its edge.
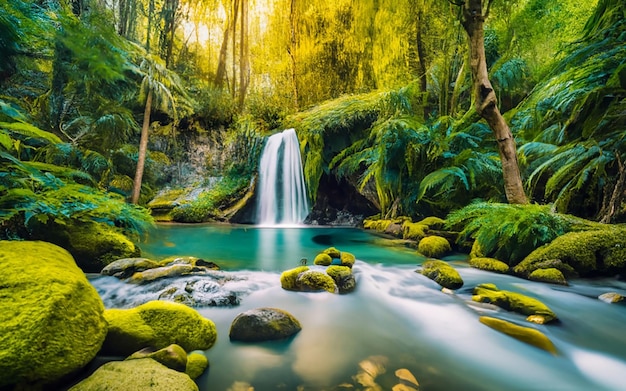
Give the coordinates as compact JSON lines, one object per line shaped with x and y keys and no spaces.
{"x":511,"y":232}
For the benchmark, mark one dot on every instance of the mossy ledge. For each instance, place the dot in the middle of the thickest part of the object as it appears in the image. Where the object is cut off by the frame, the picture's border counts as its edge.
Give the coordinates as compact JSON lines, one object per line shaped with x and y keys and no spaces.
{"x":536,"y":311}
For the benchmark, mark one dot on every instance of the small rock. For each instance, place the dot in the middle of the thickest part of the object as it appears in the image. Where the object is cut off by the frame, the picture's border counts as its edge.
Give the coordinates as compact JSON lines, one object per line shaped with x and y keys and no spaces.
{"x":407,"y":378}
{"x":263,"y":324}
{"x":172,"y":356}
{"x":611,"y":297}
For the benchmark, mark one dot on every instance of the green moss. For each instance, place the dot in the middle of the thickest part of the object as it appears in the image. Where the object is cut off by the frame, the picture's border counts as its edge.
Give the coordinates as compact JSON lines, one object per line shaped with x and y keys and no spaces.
{"x":143,"y":374}
{"x":442,"y":273}
{"x":173,"y":356}
{"x":157,"y":324}
{"x":434,"y":246}
{"x":596,"y":252}
{"x":312,"y":280}
{"x":525,"y":334}
{"x":414,"y":231}
{"x":332,"y":252}
{"x":51,"y":322}
{"x":433,"y":222}
{"x":377,"y":225}
{"x":167,"y":199}
{"x":343,"y":277}
{"x":476,"y":251}
{"x":513,"y":301}
{"x":289,"y":278}
{"x":323,"y":259}
{"x":551,"y":275}
{"x":126,"y":267}
{"x":347,"y":259}
{"x":197,"y":363}
{"x":489,"y":264}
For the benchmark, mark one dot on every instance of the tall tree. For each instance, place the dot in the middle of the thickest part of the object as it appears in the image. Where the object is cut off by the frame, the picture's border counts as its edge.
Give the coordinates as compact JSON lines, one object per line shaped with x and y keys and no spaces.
{"x":473,"y":15}
{"x":156,"y":90}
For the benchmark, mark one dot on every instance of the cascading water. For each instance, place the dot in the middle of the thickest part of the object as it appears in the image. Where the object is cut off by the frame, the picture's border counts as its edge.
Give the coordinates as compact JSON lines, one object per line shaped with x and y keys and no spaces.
{"x":281,"y":197}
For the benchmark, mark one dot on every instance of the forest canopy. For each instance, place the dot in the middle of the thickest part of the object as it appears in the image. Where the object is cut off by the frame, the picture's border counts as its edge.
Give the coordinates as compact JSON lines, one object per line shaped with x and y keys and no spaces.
{"x":380,"y":93}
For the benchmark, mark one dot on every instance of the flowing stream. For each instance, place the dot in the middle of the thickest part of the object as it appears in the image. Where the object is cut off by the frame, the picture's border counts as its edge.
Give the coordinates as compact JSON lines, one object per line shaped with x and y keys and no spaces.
{"x":282,"y":198}
{"x":396,"y":317}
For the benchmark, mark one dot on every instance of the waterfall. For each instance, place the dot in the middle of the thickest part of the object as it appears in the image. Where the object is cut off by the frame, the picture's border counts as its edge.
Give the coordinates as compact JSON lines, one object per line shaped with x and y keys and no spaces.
{"x":281,"y":196}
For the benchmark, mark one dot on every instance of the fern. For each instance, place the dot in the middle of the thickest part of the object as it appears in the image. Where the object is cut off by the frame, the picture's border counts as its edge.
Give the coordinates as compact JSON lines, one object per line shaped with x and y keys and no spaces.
{"x":510,"y":232}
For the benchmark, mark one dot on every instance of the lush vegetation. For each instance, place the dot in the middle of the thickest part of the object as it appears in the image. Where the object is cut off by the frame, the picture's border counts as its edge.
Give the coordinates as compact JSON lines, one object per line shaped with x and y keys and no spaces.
{"x":98,"y":98}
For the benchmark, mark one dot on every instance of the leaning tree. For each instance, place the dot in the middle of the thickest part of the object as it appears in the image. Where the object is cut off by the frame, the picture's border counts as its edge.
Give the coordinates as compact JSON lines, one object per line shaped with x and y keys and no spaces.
{"x":473,"y":16}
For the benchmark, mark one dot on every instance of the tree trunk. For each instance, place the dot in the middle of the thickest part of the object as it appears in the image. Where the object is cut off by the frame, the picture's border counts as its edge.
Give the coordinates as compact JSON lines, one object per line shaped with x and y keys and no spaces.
{"x":421,"y":54}
{"x":292,"y":53}
{"x":143,"y":148}
{"x":485,"y":100}
{"x":220,"y":74}
{"x":244,"y":61}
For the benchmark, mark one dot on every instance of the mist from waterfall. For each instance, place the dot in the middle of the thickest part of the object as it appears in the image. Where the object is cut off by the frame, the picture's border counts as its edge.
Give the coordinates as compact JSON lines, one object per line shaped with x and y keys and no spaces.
{"x":281,"y":194}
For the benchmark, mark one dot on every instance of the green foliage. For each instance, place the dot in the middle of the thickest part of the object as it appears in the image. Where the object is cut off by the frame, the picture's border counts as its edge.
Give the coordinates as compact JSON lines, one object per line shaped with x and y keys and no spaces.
{"x":207,"y":206}
{"x":511,"y":232}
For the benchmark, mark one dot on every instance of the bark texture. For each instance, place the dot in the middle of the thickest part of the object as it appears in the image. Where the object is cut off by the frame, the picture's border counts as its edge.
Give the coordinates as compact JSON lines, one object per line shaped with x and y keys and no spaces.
{"x":143,"y":148}
{"x":474,"y":14}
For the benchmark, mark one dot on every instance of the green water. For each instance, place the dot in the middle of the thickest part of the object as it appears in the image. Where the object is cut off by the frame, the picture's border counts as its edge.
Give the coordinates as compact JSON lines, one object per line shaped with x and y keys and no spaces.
{"x":395,"y":315}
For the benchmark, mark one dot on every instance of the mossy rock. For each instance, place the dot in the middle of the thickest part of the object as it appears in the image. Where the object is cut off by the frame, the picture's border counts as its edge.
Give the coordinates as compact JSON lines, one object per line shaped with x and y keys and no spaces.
{"x":322,"y":259}
{"x":315,"y":281}
{"x":611,"y":297}
{"x":332,"y":252}
{"x":442,"y":273}
{"x":142,"y":374}
{"x":92,"y":245}
{"x":537,"y":311}
{"x":551,"y":275}
{"x":525,"y":334}
{"x":347,"y":259}
{"x":489,"y":264}
{"x":51,"y":317}
{"x":263,"y":324}
{"x":157,"y":324}
{"x":173,"y":356}
{"x":589,"y":253}
{"x":433,"y":222}
{"x":477,"y":250}
{"x":289,"y":278}
{"x":198,"y":264}
{"x":343,"y":277}
{"x":434,"y":246}
{"x":376,"y":225}
{"x":197,"y":363}
{"x":414,"y":231}
{"x":167,"y":199}
{"x":126,"y":267}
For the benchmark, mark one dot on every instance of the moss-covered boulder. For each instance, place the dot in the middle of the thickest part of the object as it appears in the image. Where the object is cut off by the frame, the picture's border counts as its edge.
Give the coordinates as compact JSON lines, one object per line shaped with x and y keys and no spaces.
{"x":157,"y":324}
{"x":589,"y":253}
{"x":442,"y":273}
{"x":525,"y":334}
{"x":347,"y":259}
{"x":51,"y":318}
{"x":316,"y":281}
{"x":343,"y":277}
{"x":126,"y":267}
{"x":433,"y":222}
{"x":537,"y":311}
{"x":414,"y":231}
{"x":289,"y":278}
{"x":322,"y":259}
{"x":263,"y":324}
{"x":434,"y":246}
{"x":142,"y":374}
{"x":92,"y":245}
{"x":173,"y":356}
{"x":162,"y":205}
{"x":332,"y":252}
{"x":376,"y":225}
{"x":197,"y":363}
{"x":489,"y":264}
{"x":160,"y":272}
{"x":550,"y":275}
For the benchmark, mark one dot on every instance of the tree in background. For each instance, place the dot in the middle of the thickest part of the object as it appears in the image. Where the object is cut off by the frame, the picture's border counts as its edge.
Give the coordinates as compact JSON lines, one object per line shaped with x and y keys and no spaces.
{"x":474,"y":13}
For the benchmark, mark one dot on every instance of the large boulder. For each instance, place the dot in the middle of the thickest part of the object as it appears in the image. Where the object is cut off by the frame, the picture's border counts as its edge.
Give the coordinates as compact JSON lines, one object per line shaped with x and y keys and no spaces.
{"x":126,"y":267}
{"x":141,"y":374}
{"x":157,"y":324}
{"x":92,"y":245}
{"x":442,"y":273}
{"x":51,"y":318}
{"x":536,"y":311}
{"x":434,"y":246}
{"x":589,"y":253}
{"x":263,"y":324}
